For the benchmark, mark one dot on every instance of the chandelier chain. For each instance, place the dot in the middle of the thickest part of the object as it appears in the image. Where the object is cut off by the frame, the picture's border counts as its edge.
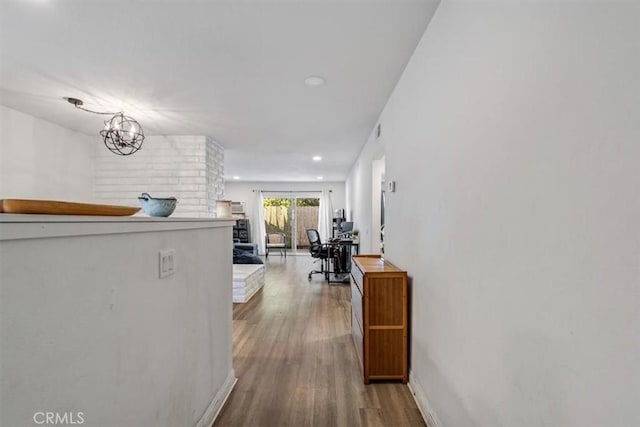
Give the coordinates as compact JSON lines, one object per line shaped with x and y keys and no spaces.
{"x":96,"y":112}
{"x":122,"y":134}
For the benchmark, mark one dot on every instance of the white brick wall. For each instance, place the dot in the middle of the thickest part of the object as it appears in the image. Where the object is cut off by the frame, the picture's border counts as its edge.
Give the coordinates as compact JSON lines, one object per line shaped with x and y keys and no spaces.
{"x":190,"y":168}
{"x":215,"y":174}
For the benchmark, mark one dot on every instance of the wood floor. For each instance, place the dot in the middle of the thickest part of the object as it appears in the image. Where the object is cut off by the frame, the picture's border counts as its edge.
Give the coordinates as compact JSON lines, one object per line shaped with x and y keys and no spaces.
{"x":296,"y":363}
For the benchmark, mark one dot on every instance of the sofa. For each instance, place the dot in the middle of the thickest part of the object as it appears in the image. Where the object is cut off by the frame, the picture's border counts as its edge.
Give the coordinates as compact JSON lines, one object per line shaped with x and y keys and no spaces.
{"x":246,"y":253}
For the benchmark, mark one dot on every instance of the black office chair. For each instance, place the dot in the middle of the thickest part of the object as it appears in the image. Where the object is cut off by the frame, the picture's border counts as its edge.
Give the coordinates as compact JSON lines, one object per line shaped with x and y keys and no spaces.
{"x":320,"y":251}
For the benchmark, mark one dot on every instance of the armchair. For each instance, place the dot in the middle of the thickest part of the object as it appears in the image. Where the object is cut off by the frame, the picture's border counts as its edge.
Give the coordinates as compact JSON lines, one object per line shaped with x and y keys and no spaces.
{"x":276,"y":241}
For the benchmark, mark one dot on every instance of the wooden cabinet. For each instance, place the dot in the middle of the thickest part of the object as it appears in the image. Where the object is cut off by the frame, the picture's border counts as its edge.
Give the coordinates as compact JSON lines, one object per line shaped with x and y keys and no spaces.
{"x":379,"y":318}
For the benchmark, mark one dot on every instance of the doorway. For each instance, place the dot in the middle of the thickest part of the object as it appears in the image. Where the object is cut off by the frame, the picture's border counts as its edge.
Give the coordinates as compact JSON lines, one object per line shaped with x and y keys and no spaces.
{"x":291,"y":216}
{"x":378,"y":167}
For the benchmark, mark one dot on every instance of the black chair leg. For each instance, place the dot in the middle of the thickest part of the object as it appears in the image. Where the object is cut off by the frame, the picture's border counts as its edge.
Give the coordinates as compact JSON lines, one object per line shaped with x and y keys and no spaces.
{"x":324,"y":269}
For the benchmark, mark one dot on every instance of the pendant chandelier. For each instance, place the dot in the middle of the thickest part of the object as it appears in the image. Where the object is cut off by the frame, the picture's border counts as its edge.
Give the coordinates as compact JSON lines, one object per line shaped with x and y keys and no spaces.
{"x":122,"y":134}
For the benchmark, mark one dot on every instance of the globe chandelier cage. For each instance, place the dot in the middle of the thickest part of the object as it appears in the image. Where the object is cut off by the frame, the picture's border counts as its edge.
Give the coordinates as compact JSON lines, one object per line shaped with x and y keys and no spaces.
{"x":122,"y":134}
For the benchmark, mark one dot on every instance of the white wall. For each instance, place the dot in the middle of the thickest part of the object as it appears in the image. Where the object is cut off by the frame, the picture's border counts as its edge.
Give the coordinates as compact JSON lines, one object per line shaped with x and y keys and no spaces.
{"x":514,"y":140}
{"x":41,"y":160}
{"x":190,"y":168}
{"x":88,"y":326}
{"x":240,"y":191}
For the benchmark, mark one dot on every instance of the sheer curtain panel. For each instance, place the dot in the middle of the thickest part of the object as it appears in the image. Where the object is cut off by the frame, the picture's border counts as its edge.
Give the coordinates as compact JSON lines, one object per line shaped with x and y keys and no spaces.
{"x":325,"y":216}
{"x":257,"y":228}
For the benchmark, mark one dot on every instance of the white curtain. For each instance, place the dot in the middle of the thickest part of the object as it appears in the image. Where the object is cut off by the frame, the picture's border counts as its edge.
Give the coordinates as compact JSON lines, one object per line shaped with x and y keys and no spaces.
{"x":257,"y":227}
{"x":325,"y":216}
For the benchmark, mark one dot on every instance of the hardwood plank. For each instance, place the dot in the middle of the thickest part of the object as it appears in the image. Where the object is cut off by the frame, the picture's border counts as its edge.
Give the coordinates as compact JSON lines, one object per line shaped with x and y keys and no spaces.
{"x":296,"y":362}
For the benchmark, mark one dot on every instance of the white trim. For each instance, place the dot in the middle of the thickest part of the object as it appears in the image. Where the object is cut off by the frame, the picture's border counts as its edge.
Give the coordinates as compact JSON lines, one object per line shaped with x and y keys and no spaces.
{"x":216,"y":405}
{"x":17,"y":227}
{"x":420,"y":397}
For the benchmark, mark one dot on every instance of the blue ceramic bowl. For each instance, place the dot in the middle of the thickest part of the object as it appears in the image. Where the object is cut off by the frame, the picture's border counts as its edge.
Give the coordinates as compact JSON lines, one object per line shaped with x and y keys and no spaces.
{"x":153,"y":206}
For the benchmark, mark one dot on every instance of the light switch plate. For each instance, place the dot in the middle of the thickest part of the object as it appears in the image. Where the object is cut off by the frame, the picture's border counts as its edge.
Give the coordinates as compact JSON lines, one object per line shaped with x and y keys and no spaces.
{"x":167,"y":261}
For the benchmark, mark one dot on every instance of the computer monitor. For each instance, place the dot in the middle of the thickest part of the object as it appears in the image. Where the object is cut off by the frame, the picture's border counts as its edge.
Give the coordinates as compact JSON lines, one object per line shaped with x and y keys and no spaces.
{"x":346,"y":226}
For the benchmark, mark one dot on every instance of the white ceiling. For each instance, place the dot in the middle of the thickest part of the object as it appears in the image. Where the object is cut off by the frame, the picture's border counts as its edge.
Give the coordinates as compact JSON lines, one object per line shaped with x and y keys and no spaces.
{"x":232,"y":70}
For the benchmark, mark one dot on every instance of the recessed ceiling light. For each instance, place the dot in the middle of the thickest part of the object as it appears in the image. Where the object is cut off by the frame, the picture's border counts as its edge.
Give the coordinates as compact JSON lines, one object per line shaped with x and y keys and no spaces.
{"x":236,"y":177}
{"x":314,"y":81}
{"x":317,"y":158}
{"x":320,"y":177}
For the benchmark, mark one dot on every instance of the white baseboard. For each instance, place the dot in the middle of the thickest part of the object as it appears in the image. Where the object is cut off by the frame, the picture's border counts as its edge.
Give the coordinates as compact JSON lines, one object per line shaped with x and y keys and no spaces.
{"x":218,"y":401}
{"x":419,"y":395}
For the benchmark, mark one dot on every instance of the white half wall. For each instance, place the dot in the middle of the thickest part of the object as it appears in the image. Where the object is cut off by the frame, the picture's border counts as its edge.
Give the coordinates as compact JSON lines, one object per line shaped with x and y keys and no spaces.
{"x":87,"y":324}
{"x":513,"y":137}
{"x":42,"y":160}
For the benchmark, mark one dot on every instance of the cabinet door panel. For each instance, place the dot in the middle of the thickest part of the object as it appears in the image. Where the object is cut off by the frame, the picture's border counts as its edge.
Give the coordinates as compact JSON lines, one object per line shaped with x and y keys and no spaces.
{"x":386,"y":352}
{"x":386,"y":301}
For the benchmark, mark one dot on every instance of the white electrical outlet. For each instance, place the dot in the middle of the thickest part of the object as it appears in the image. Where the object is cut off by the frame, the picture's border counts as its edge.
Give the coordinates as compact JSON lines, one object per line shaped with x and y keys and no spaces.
{"x":167,"y":259}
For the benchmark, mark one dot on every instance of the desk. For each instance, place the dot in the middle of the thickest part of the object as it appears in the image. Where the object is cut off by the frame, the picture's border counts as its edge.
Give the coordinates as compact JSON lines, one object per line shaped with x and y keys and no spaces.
{"x":340,"y":252}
